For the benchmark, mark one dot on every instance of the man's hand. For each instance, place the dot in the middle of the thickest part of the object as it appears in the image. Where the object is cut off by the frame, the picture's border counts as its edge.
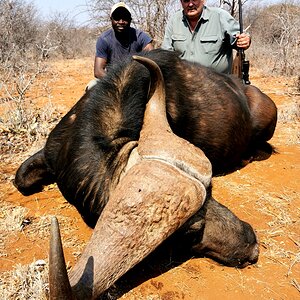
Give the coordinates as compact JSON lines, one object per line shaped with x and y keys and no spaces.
{"x":243,"y":41}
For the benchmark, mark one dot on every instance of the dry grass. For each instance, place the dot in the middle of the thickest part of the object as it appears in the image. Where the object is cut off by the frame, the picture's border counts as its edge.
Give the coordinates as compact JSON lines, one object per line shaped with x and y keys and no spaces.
{"x":29,"y":282}
{"x":24,"y":282}
{"x":291,"y":112}
{"x":18,"y":133}
{"x":289,"y":120}
{"x":11,"y":217}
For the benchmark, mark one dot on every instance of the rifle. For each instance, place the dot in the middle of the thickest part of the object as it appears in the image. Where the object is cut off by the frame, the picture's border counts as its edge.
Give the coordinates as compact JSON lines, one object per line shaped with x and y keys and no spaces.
{"x":240,"y":64}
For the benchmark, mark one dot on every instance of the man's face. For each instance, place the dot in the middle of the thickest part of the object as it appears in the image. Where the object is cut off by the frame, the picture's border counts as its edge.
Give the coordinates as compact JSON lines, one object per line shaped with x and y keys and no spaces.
{"x":120,"y":20}
{"x":192,"y":8}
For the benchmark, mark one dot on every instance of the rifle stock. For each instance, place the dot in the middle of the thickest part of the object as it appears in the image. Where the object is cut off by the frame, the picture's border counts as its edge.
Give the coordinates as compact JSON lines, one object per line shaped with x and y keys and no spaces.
{"x":241,"y":66}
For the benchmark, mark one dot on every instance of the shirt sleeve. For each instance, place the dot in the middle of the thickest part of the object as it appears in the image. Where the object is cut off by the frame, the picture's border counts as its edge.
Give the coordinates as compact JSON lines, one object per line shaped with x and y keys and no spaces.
{"x":167,"y":41}
{"x":231,"y":26}
{"x":144,"y":39}
{"x":102,"y":49}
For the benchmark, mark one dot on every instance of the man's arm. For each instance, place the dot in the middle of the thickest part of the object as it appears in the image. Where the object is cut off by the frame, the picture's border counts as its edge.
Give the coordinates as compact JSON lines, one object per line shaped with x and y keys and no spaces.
{"x":167,"y":42}
{"x":99,"y":67}
{"x":148,"y":47}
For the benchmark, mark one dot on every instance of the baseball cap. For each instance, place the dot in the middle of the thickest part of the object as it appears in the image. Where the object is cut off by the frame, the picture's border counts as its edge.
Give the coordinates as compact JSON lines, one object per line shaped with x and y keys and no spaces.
{"x":119,"y":5}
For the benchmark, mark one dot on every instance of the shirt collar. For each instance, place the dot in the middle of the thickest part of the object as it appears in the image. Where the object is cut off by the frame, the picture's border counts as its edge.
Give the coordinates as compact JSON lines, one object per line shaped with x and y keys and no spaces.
{"x":205,"y":14}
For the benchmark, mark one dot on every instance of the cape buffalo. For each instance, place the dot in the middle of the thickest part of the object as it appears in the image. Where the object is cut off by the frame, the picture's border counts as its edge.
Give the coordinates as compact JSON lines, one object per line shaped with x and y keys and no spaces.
{"x":165,"y":183}
{"x":91,"y":150}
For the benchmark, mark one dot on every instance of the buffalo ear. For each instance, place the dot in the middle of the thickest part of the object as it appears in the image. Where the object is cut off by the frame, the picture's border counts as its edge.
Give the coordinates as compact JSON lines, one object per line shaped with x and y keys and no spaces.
{"x":33,"y":174}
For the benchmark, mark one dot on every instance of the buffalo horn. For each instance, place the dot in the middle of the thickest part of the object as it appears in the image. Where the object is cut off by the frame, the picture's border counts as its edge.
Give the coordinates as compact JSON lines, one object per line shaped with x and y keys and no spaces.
{"x":60,"y":287}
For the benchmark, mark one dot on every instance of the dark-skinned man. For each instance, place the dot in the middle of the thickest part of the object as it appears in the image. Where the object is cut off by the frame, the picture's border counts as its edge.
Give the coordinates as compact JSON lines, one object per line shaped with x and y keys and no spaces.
{"x":119,"y":41}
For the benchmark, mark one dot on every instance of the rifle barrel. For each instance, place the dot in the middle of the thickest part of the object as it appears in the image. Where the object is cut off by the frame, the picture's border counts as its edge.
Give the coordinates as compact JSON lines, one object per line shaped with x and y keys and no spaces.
{"x":241,"y":16}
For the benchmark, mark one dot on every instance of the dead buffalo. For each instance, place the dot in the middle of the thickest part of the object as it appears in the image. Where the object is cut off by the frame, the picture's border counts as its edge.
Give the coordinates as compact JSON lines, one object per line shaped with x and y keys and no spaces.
{"x":87,"y":151}
{"x":164,"y":186}
{"x":92,"y":150}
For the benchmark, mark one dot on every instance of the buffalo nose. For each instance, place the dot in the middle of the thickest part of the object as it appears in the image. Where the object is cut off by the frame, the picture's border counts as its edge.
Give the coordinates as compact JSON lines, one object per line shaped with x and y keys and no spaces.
{"x":252,"y":258}
{"x":254,"y":255}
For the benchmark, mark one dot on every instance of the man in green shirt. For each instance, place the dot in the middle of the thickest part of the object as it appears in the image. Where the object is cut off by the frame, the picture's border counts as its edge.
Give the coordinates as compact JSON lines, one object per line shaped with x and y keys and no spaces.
{"x":204,"y":35}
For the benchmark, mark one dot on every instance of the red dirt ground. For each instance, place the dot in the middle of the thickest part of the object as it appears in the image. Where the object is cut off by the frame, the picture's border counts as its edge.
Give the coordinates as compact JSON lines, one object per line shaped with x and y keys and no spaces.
{"x":264,"y":193}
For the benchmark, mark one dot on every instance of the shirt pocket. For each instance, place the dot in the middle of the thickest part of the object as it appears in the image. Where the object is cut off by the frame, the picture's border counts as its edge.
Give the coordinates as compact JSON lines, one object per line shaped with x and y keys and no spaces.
{"x":210,"y":43}
{"x":179,"y":42}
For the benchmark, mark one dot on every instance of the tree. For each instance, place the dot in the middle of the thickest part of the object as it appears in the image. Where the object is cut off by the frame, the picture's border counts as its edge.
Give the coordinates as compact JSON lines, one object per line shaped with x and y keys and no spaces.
{"x":18,"y":28}
{"x":19,"y":63}
{"x":148,"y":15}
{"x":276,"y":35}
{"x":60,"y":37}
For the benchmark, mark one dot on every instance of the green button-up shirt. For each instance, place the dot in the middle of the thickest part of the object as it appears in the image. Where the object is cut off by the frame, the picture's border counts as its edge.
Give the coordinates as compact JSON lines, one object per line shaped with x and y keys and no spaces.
{"x":210,"y":44}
